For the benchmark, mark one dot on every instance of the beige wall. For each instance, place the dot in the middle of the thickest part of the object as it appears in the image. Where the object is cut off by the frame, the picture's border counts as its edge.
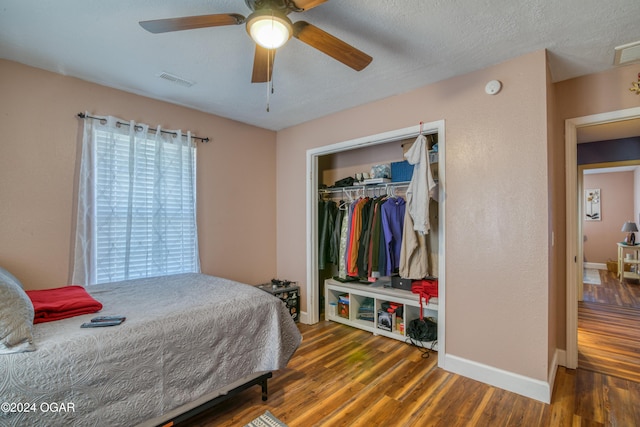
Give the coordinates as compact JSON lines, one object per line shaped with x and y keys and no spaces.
{"x":600,"y":237}
{"x":38,"y":153}
{"x":496,"y":202}
{"x":596,"y":93}
{"x":556,"y":215}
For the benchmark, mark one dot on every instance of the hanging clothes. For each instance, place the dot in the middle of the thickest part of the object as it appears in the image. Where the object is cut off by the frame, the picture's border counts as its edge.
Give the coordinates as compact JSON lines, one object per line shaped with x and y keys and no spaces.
{"x":365,"y":237}
{"x":344,"y":234}
{"x":374,"y":243}
{"x":422,"y":185}
{"x":321,"y":214}
{"x":334,"y":241}
{"x":414,"y":262}
{"x":393,"y":213}
{"x":354,"y":238}
{"x":382,"y":254}
{"x":433,"y":242}
{"x":370,"y":238}
{"x":327,"y":210}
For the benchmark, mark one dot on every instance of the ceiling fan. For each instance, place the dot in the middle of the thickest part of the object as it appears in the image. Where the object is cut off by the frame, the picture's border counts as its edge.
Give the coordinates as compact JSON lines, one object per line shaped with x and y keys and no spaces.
{"x":270,"y":27}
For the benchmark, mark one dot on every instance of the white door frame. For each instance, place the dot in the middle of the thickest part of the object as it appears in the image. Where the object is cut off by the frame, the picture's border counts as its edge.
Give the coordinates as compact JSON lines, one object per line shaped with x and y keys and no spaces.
{"x":313,"y":298}
{"x":573,"y":231}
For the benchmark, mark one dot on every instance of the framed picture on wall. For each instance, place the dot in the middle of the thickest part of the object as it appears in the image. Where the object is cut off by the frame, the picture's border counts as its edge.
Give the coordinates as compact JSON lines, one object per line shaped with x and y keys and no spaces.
{"x":592,"y":205}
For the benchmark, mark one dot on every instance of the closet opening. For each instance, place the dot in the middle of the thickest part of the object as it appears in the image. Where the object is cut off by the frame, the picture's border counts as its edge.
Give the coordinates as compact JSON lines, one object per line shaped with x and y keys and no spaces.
{"x":354,"y":159}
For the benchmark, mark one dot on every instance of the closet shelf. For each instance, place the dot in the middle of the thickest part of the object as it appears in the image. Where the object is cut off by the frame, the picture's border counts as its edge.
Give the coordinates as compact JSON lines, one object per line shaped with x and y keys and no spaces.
{"x":384,"y":185}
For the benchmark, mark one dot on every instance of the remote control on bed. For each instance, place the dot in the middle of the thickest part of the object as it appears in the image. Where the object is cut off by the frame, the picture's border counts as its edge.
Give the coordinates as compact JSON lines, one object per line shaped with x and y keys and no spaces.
{"x":100,"y":324}
{"x":109,"y":319}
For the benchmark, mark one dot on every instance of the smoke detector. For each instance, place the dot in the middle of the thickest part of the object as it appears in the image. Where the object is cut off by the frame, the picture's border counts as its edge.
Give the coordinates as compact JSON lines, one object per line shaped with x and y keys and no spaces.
{"x":627,"y":53}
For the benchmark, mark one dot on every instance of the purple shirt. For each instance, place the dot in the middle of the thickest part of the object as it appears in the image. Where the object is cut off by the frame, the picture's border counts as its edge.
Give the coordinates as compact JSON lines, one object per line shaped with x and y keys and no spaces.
{"x":392,"y":223}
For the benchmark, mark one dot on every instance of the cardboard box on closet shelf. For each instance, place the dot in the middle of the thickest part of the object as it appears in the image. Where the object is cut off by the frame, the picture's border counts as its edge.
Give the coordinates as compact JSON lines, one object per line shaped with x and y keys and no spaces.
{"x":405,"y":147}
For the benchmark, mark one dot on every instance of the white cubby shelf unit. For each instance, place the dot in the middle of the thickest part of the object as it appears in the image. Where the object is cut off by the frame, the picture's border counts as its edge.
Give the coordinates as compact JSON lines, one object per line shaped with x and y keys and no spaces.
{"x":359,"y":293}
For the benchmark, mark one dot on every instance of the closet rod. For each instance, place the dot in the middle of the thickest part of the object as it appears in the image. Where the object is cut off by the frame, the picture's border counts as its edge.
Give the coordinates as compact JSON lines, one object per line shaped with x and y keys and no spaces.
{"x":384,"y":186}
{"x":85,"y":116}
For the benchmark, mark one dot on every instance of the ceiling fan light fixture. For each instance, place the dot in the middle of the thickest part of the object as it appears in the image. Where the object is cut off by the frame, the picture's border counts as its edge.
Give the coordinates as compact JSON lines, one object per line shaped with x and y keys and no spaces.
{"x":268,"y":28}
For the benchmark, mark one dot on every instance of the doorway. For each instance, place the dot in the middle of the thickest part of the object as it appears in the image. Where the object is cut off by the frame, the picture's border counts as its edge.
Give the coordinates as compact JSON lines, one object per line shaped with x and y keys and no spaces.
{"x":600,"y":232}
{"x":574,"y":249}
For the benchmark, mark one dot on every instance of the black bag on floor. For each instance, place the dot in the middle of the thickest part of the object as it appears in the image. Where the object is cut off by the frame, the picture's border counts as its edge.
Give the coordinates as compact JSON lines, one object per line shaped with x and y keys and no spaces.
{"x":423,"y":330}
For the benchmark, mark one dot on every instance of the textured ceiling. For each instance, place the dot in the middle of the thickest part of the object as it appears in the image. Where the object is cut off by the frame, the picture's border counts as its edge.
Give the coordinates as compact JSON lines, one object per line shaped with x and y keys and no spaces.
{"x":413,"y":43}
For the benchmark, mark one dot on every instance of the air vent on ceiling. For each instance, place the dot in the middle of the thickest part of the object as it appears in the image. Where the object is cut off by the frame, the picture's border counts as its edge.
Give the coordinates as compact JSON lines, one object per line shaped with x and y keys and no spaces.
{"x":175,"y":79}
{"x":627,"y":53}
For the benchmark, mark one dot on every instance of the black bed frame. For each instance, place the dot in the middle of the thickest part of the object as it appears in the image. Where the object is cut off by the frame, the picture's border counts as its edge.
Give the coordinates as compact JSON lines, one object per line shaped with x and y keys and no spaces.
{"x":261,"y":380}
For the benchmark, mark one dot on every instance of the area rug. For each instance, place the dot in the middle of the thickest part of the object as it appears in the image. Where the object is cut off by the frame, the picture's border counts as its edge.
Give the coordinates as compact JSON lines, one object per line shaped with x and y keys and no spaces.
{"x":266,"y":420}
{"x":591,"y":276}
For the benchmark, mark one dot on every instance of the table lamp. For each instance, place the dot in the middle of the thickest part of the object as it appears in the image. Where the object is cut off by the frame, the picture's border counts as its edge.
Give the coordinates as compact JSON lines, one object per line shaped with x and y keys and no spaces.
{"x":630,"y":227}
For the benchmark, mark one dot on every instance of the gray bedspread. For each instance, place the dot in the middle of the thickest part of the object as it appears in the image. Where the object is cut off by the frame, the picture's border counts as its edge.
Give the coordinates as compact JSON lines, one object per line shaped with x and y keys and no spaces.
{"x":185,"y":336}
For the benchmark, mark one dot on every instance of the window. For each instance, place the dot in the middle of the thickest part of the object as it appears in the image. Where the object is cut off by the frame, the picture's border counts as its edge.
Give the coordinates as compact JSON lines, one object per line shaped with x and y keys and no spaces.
{"x":137,"y":208}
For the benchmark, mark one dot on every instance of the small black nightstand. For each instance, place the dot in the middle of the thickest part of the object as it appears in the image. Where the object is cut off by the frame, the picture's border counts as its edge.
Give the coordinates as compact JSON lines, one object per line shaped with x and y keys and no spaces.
{"x":289,"y":294}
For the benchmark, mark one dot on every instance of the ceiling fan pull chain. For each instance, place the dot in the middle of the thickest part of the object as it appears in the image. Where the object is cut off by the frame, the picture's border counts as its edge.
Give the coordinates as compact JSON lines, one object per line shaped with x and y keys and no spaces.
{"x":270,"y":53}
{"x":269,"y":92}
{"x":270,"y":81}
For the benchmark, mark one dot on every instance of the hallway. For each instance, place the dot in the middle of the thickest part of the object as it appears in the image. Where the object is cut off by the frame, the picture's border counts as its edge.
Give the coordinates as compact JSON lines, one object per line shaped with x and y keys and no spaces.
{"x":609,"y":328}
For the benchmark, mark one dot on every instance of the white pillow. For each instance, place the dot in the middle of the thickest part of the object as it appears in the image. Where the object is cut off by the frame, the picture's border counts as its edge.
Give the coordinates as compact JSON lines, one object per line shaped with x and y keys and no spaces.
{"x":8,"y":277}
{"x":16,"y":316}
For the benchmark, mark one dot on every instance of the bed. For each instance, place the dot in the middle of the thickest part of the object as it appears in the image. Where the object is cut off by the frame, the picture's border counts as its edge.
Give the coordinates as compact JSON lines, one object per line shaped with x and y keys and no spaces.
{"x":187,"y":339}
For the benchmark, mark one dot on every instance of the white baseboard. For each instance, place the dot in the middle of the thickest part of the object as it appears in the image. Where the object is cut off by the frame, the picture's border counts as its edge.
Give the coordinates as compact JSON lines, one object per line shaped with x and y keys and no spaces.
{"x":553,"y":370}
{"x":596,"y":265}
{"x":525,"y":386}
{"x":561,"y":357}
{"x":304,"y":317}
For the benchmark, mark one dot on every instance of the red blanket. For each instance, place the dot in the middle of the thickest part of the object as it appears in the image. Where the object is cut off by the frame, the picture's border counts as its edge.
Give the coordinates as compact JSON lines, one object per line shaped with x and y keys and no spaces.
{"x":60,"y":303}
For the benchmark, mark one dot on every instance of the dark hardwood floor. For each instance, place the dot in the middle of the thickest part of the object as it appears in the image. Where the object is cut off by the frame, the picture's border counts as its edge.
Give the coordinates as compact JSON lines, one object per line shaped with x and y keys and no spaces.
{"x":341,"y":376}
{"x":609,"y":327}
{"x":613,"y":292}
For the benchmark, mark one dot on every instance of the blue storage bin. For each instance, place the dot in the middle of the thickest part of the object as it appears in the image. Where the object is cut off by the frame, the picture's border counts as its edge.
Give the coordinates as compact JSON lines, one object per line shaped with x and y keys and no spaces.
{"x":401,"y":171}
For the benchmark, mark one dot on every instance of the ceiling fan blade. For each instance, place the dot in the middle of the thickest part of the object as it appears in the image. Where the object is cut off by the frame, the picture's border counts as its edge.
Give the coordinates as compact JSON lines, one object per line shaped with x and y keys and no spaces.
{"x":332,"y":46}
{"x":263,"y":64}
{"x":308,"y":4}
{"x":191,"y":22}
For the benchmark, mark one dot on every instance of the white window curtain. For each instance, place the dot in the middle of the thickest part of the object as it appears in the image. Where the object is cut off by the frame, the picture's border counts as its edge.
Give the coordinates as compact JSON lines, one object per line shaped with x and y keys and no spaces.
{"x":136,"y":203}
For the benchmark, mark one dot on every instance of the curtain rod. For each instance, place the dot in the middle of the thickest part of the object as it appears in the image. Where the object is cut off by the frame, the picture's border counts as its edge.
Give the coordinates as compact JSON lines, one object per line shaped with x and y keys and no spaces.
{"x":85,"y":116}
